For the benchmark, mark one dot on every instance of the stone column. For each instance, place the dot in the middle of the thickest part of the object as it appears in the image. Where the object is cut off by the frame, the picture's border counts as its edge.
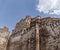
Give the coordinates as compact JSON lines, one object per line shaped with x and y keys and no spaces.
{"x":37,"y":37}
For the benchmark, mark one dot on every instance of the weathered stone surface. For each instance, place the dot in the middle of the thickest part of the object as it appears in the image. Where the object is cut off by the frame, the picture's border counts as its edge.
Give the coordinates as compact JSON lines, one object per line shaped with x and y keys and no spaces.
{"x":50,"y":34}
{"x":4,"y":36}
{"x":25,"y":41}
{"x":23,"y":24}
{"x":36,"y":34}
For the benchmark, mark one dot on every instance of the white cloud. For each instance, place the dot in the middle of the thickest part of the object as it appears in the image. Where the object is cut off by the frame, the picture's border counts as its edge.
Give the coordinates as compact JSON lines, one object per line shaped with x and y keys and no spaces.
{"x":49,"y":6}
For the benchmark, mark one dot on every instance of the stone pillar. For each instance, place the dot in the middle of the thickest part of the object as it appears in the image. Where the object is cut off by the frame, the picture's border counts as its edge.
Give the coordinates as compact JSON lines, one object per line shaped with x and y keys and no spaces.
{"x":37,"y":37}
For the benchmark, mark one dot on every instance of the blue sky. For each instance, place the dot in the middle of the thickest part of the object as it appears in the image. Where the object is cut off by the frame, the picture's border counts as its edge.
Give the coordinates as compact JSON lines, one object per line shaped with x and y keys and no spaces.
{"x":11,"y":11}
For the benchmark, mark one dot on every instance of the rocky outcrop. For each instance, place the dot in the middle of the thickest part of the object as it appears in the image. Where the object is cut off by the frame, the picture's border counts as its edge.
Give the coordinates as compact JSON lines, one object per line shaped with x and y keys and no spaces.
{"x":36,"y":34}
{"x":24,"y":36}
{"x":22,"y":24}
{"x":33,"y":34}
{"x":50,"y":34}
{"x":4,"y":37}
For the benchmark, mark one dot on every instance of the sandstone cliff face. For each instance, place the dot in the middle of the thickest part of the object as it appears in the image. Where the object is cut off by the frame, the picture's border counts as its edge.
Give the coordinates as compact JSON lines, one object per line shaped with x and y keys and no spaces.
{"x":50,"y":34}
{"x":23,"y":24}
{"x":36,"y":34}
{"x":24,"y":41}
{"x":4,"y":36}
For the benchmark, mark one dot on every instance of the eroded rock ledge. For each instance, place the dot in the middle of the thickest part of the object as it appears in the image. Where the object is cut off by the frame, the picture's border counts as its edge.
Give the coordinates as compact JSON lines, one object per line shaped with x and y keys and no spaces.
{"x":34,"y":34}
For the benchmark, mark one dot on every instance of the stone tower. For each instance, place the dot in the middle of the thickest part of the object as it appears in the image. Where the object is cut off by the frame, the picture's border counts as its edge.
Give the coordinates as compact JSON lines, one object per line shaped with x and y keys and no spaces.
{"x":36,"y":34}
